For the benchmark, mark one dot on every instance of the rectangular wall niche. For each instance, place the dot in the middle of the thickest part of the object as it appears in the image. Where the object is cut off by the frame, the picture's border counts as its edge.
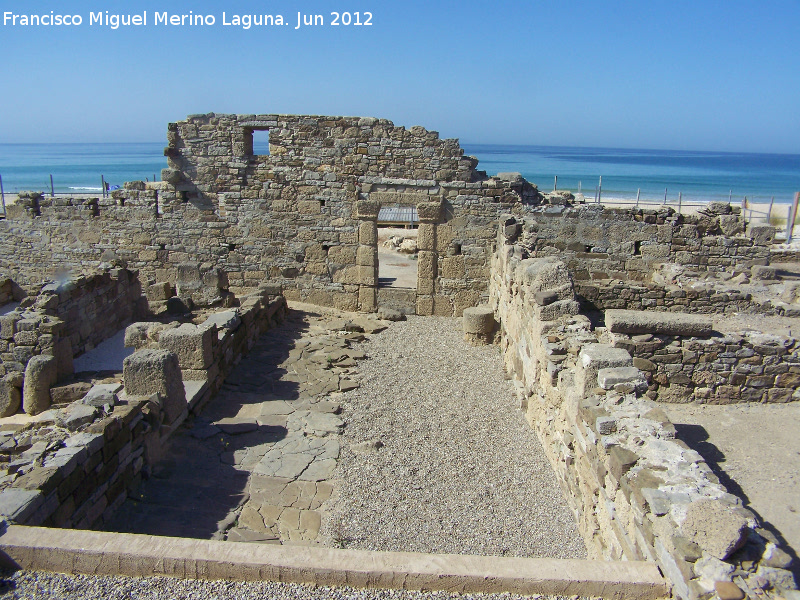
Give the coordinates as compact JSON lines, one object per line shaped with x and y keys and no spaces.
{"x":256,"y":141}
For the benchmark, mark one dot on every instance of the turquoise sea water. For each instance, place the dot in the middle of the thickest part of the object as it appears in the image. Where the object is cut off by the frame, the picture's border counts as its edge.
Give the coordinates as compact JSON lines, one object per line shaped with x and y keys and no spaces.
{"x":78,"y":168}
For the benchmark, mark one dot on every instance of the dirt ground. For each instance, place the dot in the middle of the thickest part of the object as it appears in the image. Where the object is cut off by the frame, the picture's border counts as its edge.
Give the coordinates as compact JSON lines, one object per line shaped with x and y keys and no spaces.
{"x":396,"y":269}
{"x":754,"y":449}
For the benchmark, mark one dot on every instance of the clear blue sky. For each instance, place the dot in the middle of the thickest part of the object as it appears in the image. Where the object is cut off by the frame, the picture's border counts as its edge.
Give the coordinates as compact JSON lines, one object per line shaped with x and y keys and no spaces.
{"x":646,"y":74}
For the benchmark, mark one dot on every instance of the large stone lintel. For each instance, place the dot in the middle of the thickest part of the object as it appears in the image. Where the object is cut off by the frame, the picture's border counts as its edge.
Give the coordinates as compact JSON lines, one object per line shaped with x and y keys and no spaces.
{"x":658,"y":322}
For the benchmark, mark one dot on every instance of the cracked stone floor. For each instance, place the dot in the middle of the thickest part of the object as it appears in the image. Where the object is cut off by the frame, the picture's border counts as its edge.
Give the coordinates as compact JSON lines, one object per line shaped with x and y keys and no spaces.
{"x":256,"y":464}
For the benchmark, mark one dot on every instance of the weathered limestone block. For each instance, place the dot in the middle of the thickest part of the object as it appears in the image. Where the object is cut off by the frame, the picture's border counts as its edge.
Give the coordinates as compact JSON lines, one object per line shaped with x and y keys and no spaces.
{"x":479,"y":325}
{"x":547,"y":274}
{"x":226,"y":319}
{"x":429,"y":212}
{"x":10,"y":396}
{"x":716,"y":529}
{"x":594,"y":357}
{"x":148,"y":372}
{"x":191,"y":343}
{"x":367,"y":256}
{"x":368,"y":233}
{"x":102,"y":394}
{"x":159,"y":291}
{"x":609,"y":378}
{"x":40,"y":374}
{"x":762,"y":235}
{"x":426,"y":265}
{"x":453,"y":267}
{"x":62,"y":350}
{"x":136,"y":335}
{"x":8,"y":326}
{"x":426,"y":237}
{"x":555,"y":310}
{"x":368,"y":298}
{"x":367,"y":209}
{"x":657,"y":322}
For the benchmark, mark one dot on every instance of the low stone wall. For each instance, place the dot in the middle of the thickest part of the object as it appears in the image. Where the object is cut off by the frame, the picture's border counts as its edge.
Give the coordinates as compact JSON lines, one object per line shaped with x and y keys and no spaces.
{"x":598,"y":243}
{"x":719,"y":369}
{"x":637,"y":492}
{"x":207,"y":352}
{"x":604,"y":295}
{"x":74,"y":466}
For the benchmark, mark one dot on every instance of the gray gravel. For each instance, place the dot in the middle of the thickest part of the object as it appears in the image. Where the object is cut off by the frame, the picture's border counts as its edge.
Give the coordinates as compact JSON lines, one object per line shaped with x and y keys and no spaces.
{"x":460,"y":471}
{"x":40,"y":585}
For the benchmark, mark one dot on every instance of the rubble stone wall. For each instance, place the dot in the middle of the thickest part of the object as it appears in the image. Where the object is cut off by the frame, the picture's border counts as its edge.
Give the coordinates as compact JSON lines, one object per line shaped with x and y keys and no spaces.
{"x":598,"y":243}
{"x":303,"y":216}
{"x":603,"y":295}
{"x":78,"y":469}
{"x":723,"y":369}
{"x":65,"y":319}
{"x":637,"y":492}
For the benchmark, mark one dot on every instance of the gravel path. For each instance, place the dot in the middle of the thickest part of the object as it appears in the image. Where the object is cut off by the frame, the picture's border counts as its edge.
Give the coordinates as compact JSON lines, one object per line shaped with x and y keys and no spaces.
{"x":460,"y":471}
{"x":54,"y":586}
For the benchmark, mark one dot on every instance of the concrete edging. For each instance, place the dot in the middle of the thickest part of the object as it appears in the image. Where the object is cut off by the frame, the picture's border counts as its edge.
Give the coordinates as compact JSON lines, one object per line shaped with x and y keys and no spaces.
{"x":104,"y":553}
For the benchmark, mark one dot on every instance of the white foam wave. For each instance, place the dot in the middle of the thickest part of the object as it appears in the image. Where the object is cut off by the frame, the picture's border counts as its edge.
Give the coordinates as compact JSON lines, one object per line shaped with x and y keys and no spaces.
{"x":88,"y":189}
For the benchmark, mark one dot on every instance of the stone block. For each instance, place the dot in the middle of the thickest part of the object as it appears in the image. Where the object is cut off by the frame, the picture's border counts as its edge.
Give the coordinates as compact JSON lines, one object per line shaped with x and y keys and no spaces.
{"x":427,"y":265}
{"x":136,"y":335}
{"x":17,"y":504}
{"x":594,"y":357}
{"x":429,"y":212}
{"x":545,"y":298}
{"x":8,"y":326}
{"x":63,"y":353}
{"x":367,"y":209}
{"x":479,"y":319}
{"x":453,"y":267}
{"x":368,"y":233}
{"x":442,"y":306}
{"x":148,"y":372}
{"x":658,"y":322}
{"x":40,"y":373}
{"x":609,"y":377}
{"x":102,"y":394}
{"x":717,"y":529}
{"x":762,"y":235}
{"x":192,"y":344}
{"x":545,"y":274}
{"x":10,"y":396}
{"x":343,"y":255}
{"x":426,"y":237}
{"x":368,"y":298}
{"x":424,"y":305}
{"x":226,"y":319}
{"x":159,"y":291}
{"x":763,"y":273}
{"x":367,"y":256}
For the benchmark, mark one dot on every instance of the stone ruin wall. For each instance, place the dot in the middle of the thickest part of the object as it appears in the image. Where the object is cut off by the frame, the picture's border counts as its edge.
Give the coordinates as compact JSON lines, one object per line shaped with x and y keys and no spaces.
{"x":302,"y":217}
{"x":637,"y":492}
{"x":64,"y":320}
{"x":76,"y":465}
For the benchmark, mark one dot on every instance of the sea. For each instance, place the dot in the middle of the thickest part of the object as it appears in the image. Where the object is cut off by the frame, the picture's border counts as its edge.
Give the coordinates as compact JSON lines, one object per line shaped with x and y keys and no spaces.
{"x":611,"y":173}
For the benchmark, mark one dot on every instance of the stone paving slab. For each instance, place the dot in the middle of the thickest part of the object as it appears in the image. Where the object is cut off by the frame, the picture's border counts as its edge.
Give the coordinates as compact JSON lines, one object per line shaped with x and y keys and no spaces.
{"x":255,"y":466}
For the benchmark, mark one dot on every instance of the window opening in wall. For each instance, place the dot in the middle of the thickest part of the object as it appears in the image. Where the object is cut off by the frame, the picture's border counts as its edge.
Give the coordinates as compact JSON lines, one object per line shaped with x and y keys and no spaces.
{"x":257,"y":142}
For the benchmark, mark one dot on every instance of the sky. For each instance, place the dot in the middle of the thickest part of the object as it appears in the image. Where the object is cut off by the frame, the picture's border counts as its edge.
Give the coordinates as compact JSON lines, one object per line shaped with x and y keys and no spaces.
{"x":687,"y":75}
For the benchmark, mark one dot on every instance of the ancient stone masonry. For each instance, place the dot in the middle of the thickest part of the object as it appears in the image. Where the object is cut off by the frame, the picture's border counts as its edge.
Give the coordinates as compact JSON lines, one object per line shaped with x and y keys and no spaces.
{"x":637,"y":492}
{"x":75,"y":464}
{"x":63,"y":320}
{"x":302,"y":217}
{"x":690,"y":364}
